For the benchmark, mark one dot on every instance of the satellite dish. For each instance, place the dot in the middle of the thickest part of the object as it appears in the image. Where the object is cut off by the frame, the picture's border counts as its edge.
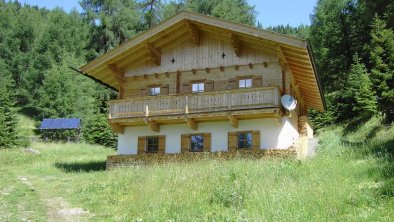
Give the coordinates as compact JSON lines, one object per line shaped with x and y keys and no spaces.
{"x":288,"y":102}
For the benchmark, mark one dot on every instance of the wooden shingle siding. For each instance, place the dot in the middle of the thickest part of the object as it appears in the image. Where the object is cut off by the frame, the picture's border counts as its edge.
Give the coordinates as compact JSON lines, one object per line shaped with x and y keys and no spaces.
{"x":209,"y":86}
{"x":164,"y":90}
{"x":186,"y":88}
{"x":232,"y":84}
{"x":257,"y":81}
{"x":143,"y":92}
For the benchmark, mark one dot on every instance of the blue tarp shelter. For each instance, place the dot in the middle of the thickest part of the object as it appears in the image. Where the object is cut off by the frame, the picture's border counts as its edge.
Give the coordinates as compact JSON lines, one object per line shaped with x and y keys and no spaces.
{"x":73,"y":123}
{"x":53,"y":125}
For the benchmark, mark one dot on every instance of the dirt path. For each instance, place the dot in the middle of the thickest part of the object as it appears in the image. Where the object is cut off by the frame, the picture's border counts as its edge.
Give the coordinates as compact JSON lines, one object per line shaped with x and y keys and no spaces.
{"x":58,"y":209}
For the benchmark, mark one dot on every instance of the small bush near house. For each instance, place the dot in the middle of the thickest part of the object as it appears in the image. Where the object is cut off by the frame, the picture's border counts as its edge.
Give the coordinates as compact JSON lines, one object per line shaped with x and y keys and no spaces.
{"x":96,"y":130}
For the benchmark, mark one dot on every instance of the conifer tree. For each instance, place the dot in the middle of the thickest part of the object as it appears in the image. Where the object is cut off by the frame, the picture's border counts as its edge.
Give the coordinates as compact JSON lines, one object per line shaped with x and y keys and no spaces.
{"x":8,"y":118}
{"x":363,"y":98}
{"x":382,"y":71}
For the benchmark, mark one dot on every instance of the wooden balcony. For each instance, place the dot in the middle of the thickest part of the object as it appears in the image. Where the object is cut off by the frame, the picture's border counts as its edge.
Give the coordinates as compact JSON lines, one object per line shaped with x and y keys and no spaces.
{"x":192,"y":105}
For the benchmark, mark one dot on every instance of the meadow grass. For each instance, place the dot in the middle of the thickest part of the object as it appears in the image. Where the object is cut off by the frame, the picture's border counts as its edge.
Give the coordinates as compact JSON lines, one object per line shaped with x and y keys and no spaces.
{"x":350,"y":179}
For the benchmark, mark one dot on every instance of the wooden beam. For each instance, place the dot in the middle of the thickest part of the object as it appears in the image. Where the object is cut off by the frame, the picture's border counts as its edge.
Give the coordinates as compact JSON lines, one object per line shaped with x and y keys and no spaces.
{"x":191,"y":123}
{"x":154,"y":126}
{"x":119,"y":76}
{"x":155,"y":54}
{"x":236,"y":44}
{"x":233,"y":120}
{"x":195,"y":34}
{"x":281,"y":56}
{"x":117,"y":128}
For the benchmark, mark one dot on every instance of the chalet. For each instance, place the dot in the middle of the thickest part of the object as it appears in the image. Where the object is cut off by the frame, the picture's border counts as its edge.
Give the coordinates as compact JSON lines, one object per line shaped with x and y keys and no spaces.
{"x":198,"y":83}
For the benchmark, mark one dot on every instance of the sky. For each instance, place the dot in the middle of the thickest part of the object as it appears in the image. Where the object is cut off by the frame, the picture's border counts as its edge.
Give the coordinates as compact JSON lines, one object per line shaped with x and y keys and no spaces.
{"x":270,"y":12}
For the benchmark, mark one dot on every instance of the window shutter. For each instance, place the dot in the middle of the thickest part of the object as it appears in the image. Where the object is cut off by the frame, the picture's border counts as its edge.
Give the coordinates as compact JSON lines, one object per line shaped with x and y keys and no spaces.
{"x":162,"y":144}
{"x":232,"y":84}
{"x":207,"y":142}
{"x":208,"y":87}
{"x":185,"y":143}
{"x":141,"y":144}
{"x":143,"y":92}
{"x":220,"y":85}
{"x":256,"y":140}
{"x":257,"y":81}
{"x":232,"y":141}
{"x":164,"y":90}
{"x":186,"y":88}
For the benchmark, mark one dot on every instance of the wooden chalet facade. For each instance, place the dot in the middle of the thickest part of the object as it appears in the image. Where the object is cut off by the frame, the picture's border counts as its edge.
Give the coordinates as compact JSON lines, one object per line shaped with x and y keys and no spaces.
{"x":199,"y":83}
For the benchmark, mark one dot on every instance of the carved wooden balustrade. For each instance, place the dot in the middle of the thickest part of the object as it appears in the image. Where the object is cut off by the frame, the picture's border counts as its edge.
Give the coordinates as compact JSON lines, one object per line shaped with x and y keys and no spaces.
{"x":208,"y":102}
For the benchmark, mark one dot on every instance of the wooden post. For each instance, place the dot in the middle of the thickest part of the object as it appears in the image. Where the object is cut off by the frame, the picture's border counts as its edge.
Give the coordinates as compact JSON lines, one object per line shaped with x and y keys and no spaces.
{"x":187,"y":105}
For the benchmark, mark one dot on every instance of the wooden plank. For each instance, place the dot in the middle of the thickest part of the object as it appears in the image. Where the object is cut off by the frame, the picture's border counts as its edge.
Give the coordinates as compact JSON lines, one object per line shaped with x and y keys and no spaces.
{"x":299,"y":61}
{"x":303,"y":75}
{"x":232,"y":141}
{"x":296,"y":65}
{"x":303,"y":70}
{"x":141,"y":144}
{"x":207,"y":142}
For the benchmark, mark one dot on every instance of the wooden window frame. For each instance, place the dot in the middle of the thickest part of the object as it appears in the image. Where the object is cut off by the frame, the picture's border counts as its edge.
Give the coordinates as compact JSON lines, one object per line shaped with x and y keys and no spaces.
{"x":245,"y":140}
{"x":202,"y":141}
{"x":186,"y":142}
{"x":157,"y":138}
{"x":198,"y":85}
{"x":233,"y":140}
{"x":245,"y":85}
{"x":154,"y":88}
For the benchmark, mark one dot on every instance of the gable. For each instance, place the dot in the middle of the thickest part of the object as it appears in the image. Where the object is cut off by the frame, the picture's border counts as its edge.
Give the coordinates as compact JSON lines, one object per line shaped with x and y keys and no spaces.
{"x":150,"y":52}
{"x":211,"y":52}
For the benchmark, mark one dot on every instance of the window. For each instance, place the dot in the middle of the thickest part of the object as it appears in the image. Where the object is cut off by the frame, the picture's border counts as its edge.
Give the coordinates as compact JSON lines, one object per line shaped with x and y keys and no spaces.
{"x":245,"y":83}
{"x":154,"y":91}
{"x":244,"y":140}
{"x":198,"y":87}
{"x":196,"y":143}
{"x":152,"y":144}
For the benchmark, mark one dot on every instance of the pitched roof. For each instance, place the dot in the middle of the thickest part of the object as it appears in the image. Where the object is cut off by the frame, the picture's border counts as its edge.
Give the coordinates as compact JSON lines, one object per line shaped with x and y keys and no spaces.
{"x":73,"y":123}
{"x":294,"y":51}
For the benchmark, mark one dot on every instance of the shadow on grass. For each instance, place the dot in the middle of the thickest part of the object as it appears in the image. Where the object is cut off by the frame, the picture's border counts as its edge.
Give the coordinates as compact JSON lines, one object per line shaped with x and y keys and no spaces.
{"x":386,"y":150}
{"x":82,"y":167}
{"x":355,"y":124}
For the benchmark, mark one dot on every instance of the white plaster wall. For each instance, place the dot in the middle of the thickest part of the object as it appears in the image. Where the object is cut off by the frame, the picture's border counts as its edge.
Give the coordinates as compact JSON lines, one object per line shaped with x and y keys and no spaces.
{"x":273,"y":134}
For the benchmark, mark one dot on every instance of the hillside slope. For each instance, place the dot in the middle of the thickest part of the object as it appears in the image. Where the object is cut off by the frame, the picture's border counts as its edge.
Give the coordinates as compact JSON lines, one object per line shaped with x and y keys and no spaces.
{"x":350,"y":179}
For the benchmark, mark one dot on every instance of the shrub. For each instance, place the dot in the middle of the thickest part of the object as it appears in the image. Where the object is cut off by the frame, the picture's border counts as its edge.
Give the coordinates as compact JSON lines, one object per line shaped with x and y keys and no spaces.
{"x":96,"y":130}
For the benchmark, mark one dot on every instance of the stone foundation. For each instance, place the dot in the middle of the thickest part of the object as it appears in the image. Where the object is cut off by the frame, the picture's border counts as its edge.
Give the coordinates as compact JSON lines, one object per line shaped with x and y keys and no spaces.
{"x":114,"y":161}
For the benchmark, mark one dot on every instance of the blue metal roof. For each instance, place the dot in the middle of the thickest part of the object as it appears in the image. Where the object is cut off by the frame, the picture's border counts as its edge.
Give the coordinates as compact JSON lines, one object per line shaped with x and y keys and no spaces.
{"x":73,"y":123}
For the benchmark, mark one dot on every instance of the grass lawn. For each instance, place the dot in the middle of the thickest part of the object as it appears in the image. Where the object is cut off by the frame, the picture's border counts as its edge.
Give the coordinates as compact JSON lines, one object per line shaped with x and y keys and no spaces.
{"x":350,"y":179}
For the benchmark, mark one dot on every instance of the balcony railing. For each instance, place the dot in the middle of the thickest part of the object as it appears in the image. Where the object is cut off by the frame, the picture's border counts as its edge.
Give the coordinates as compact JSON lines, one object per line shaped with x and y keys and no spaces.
{"x":230,"y":100}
